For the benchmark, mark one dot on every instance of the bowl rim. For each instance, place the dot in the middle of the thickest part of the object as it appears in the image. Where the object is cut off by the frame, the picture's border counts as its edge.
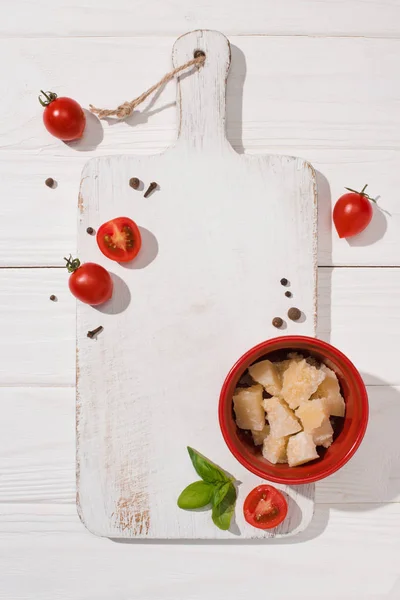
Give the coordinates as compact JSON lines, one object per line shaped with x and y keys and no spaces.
{"x":291,"y":340}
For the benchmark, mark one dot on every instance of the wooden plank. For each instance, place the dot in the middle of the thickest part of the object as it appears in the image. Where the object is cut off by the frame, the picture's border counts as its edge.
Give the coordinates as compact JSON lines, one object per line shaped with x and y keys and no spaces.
{"x":158,"y":17}
{"x":349,"y":131}
{"x":45,"y":549}
{"x":357,"y":313}
{"x":176,"y":313}
{"x":287,"y":102}
{"x":353,"y":483}
{"x":38,"y":335}
{"x":38,"y":464}
{"x":37,"y":445}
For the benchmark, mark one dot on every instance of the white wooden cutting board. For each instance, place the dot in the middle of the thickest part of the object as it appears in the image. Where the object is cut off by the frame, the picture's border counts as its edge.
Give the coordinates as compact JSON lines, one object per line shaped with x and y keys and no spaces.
{"x":218,"y":235}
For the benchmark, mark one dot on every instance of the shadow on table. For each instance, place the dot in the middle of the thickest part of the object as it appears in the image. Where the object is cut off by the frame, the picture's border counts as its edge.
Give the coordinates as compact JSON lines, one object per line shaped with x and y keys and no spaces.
{"x":372,"y":476}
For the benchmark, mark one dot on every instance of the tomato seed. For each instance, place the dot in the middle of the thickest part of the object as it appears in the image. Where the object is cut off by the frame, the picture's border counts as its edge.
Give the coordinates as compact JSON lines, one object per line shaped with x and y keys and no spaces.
{"x":277,"y":322}
{"x":50,"y":182}
{"x":294,"y":314}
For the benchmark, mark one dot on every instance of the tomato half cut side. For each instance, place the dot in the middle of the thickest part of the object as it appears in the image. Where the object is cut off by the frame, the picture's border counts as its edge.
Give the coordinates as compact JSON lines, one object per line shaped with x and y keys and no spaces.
{"x":119,"y":239}
{"x":265,"y":507}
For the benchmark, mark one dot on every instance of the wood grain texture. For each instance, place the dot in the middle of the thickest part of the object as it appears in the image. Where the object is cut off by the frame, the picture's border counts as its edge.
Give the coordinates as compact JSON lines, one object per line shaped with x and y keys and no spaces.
{"x":292,"y":17}
{"x":220,"y":225}
{"x":50,"y":556}
{"x":288,"y":106}
{"x":38,"y":336}
{"x":37,"y":445}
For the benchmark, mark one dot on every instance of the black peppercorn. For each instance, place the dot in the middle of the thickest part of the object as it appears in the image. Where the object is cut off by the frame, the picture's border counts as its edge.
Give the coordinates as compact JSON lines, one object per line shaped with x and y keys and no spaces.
{"x":50,"y":182}
{"x":90,"y":230}
{"x":134,"y":182}
{"x":288,"y":294}
{"x":277,"y":322}
{"x":294,"y":314}
{"x":284,"y":281}
{"x":53,"y":298}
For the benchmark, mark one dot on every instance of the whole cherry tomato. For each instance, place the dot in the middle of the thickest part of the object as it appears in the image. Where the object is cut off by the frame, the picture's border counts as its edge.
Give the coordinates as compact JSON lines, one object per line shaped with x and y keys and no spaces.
{"x":265,"y":507}
{"x":352,"y":213}
{"x":90,"y":283}
{"x":62,"y":117}
{"x":119,"y":239}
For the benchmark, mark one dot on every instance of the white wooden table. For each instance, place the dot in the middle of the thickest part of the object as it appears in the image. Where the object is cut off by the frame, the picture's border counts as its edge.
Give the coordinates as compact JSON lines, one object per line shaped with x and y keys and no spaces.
{"x":315,"y":79}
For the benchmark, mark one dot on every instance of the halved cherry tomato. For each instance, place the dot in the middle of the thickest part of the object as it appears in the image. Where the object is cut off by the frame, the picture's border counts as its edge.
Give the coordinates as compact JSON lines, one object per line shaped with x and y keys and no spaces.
{"x":119,"y":239}
{"x":265,"y":507}
{"x":352,"y":213}
{"x":90,"y":283}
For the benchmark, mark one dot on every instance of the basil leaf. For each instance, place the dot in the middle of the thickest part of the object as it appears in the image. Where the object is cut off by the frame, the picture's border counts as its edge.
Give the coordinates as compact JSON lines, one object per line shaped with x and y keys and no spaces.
{"x":196,"y":495}
{"x":220,"y":492}
{"x":206,"y":469}
{"x":222,"y":513}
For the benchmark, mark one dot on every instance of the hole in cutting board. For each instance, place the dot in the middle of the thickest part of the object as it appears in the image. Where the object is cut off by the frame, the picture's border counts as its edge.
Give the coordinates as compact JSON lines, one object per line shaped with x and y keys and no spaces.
{"x":198,"y":53}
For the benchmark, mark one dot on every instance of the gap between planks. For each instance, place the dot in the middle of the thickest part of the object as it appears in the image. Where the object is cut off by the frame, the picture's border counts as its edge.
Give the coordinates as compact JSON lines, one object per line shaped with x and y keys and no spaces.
{"x":178,"y":33}
{"x":14,"y":267}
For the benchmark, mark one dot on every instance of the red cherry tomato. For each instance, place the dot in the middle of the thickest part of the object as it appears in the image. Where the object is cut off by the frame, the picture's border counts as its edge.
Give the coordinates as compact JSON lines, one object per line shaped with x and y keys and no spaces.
{"x":265,"y":507}
{"x":352,"y":213}
{"x":63,"y":117}
{"x":119,"y":239}
{"x":90,"y":283}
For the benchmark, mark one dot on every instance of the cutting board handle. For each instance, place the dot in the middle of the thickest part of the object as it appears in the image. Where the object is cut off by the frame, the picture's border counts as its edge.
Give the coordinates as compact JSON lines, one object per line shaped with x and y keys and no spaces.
{"x":201,"y":94}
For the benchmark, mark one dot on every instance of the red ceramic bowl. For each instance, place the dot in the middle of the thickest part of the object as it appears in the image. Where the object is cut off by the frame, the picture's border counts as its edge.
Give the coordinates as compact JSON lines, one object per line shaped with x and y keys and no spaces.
{"x":347,"y":439}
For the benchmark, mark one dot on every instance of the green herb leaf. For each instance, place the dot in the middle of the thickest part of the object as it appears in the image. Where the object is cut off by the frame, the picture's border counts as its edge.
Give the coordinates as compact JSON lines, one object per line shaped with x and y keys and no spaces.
{"x":223,"y":511}
{"x":206,"y":469}
{"x":220,"y":491}
{"x":196,"y":495}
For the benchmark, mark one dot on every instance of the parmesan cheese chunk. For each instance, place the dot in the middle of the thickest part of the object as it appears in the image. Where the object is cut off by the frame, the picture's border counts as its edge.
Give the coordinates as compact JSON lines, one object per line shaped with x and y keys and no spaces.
{"x":259,"y":436}
{"x":323,"y":435}
{"x":301,"y":449}
{"x":329,"y":389}
{"x":300,"y":381}
{"x":247,"y":403}
{"x":266,"y":373}
{"x":312,"y":413}
{"x":281,"y":419}
{"x":274,"y":449}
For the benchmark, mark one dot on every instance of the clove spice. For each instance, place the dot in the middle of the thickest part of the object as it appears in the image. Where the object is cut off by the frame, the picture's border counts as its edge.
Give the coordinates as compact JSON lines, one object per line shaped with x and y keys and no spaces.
{"x":150,"y":189}
{"x":92,"y":334}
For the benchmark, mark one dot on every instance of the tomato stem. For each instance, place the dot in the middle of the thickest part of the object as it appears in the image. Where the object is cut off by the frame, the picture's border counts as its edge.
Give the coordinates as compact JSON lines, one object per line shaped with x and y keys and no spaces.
{"x":362,"y":193}
{"x":50,"y":97}
{"x":72,"y":263}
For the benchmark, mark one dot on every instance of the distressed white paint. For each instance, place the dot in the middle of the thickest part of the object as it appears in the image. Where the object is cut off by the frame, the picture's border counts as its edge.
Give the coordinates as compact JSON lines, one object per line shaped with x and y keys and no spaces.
{"x":218,"y":236}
